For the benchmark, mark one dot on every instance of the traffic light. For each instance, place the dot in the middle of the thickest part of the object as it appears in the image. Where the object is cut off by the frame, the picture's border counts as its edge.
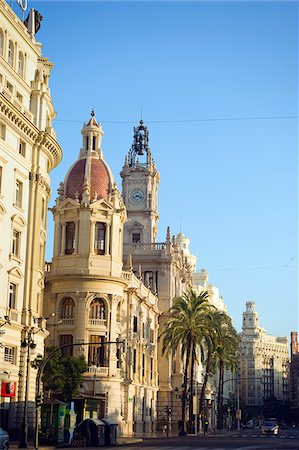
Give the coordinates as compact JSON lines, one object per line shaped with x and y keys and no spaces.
{"x":39,"y":399}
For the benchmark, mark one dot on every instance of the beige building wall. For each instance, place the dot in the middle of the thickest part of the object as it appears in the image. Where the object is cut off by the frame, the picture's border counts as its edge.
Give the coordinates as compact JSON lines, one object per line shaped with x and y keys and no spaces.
{"x":91,"y":299}
{"x":264,"y":360}
{"x":165,"y":267}
{"x":28,"y":152}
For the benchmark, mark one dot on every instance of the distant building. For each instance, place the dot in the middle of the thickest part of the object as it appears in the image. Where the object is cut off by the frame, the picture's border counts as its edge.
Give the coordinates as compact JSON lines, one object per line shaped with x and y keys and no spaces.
{"x":294,"y":377}
{"x":263,"y":363}
{"x":28,"y":152}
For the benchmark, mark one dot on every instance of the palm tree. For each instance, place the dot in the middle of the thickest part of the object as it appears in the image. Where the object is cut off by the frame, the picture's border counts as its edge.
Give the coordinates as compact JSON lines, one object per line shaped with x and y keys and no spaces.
{"x":185,"y":329}
{"x":224,"y":357}
{"x":210,"y":343}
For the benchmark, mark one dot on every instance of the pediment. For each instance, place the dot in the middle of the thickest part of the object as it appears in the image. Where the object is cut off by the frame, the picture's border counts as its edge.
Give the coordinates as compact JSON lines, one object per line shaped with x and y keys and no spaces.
{"x":17,"y":219}
{"x":135,"y":224}
{"x":102,"y":204}
{"x":16,"y":272}
{"x":68,"y":203}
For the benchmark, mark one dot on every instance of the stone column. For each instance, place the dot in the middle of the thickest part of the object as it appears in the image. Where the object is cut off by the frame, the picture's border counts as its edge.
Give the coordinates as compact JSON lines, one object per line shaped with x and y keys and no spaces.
{"x":112,"y":359}
{"x":62,"y":247}
{"x":107,"y":243}
{"x":76,"y":236}
{"x":92,"y":231}
{"x":81,"y":323}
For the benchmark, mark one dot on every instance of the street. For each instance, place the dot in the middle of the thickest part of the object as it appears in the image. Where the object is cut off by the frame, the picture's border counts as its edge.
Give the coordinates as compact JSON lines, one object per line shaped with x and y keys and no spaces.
{"x":245,"y":440}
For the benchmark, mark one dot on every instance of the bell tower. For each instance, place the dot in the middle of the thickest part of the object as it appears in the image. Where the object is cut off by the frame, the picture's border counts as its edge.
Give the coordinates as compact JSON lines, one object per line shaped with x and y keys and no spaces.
{"x":140,"y":180}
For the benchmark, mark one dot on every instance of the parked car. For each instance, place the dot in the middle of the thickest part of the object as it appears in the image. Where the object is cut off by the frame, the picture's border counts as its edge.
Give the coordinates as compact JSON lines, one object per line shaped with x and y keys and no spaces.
{"x":270,"y":426}
{"x":4,"y":439}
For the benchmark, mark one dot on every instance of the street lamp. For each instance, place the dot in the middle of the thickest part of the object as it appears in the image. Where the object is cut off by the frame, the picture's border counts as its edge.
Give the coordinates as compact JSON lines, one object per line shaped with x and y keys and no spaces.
{"x":26,"y":344}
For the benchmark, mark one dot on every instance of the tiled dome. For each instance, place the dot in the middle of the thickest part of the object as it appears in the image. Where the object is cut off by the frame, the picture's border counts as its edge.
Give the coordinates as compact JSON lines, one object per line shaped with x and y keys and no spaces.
{"x":100,"y":179}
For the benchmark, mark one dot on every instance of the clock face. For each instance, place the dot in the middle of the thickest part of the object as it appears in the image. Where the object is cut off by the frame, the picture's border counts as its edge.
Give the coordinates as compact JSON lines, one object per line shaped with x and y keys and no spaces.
{"x":137,"y":196}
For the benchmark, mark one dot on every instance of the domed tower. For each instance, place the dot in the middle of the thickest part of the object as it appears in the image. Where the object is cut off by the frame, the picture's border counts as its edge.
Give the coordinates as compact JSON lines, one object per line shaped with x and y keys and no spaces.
{"x":89,"y":213}
{"x":84,"y":290}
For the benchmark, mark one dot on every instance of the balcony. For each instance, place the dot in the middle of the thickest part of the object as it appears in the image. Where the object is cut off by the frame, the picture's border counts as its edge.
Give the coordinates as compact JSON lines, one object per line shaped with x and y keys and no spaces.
{"x":98,"y":371}
{"x":147,"y":248}
{"x":67,"y":321}
{"x":97,"y":322}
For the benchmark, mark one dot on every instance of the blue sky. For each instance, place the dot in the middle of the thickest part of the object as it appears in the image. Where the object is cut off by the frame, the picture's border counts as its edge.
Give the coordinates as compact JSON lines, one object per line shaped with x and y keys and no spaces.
{"x":230,"y":185}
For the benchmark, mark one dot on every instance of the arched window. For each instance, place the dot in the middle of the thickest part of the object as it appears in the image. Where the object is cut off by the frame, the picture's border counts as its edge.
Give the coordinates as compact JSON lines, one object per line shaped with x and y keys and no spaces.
{"x":1,"y":43}
{"x":97,"y":309}
{"x":69,"y":238}
{"x":11,"y":52}
{"x":67,"y":308}
{"x":99,"y":238}
{"x":21,"y":64}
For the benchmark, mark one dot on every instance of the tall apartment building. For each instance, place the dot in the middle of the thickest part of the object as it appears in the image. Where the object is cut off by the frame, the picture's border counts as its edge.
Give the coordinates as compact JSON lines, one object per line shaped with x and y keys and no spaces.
{"x":263,"y":363}
{"x":294,"y":377}
{"x":28,"y":152}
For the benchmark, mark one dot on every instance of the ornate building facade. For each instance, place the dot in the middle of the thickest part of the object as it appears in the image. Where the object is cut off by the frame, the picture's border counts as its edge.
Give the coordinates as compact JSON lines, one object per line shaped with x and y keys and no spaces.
{"x":263,"y":363}
{"x":165,"y":267}
{"x":95,"y":301}
{"x":28,"y":152}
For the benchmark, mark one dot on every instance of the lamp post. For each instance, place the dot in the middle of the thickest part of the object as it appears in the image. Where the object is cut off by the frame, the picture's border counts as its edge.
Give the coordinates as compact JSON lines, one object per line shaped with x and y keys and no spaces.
{"x":26,"y":344}
{"x":238,"y":415}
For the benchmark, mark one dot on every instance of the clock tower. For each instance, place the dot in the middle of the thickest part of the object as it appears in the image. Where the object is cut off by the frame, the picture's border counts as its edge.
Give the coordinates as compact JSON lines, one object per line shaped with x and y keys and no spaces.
{"x":140,"y":190}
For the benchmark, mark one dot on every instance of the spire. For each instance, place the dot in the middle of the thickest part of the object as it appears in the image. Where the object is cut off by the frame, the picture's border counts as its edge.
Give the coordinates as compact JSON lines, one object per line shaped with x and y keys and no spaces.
{"x":92,"y":134}
{"x":168,"y":234}
{"x":140,"y":145}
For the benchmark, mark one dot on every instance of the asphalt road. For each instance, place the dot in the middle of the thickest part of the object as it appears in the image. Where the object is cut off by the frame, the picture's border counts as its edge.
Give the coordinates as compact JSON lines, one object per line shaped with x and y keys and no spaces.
{"x":237,"y":441}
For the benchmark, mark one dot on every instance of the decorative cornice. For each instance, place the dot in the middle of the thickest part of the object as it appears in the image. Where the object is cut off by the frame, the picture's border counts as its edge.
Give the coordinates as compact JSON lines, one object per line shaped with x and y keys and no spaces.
{"x":42,"y":138}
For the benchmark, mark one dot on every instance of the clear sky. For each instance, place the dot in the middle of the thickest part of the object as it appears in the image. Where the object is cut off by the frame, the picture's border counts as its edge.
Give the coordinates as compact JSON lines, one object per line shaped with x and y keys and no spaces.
{"x":217,"y":83}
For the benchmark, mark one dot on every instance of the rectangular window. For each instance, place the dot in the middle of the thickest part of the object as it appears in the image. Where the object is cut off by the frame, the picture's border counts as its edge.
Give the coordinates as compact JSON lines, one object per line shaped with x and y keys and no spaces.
{"x":143,"y":364}
{"x":9,"y":355}
{"x":99,"y":238}
{"x":135,"y":324}
{"x":151,"y":336}
{"x":69,"y":238}
{"x":152,"y":368}
{"x":19,"y":193}
{"x":66,"y":339}
{"x":2,"y":130}
{"x":22,"y":148}
{"x":143,"y":329}
{"x":135,"y":238}
{"x":9,"y":87}
{"x":118,"y":357}
{"x":12,"y":296}
{"x":97,"y":353}
{"x":16,"y":242}
{"x":134,"y":360}
{"x":94,"y":141}
{"x":20,"y":97}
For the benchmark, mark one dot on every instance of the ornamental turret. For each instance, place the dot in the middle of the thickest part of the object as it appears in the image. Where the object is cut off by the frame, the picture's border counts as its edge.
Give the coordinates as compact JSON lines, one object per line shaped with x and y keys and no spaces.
{"x":140,"y":190}
{"x":89,"y":212}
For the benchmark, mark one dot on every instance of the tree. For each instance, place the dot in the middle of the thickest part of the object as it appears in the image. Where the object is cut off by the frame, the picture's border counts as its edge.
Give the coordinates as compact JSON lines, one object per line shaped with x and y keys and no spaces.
{"x":224,"y":357}
{"x":184,"y":330}
{"x":63,"y":375}
{"x":210,"y":343}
